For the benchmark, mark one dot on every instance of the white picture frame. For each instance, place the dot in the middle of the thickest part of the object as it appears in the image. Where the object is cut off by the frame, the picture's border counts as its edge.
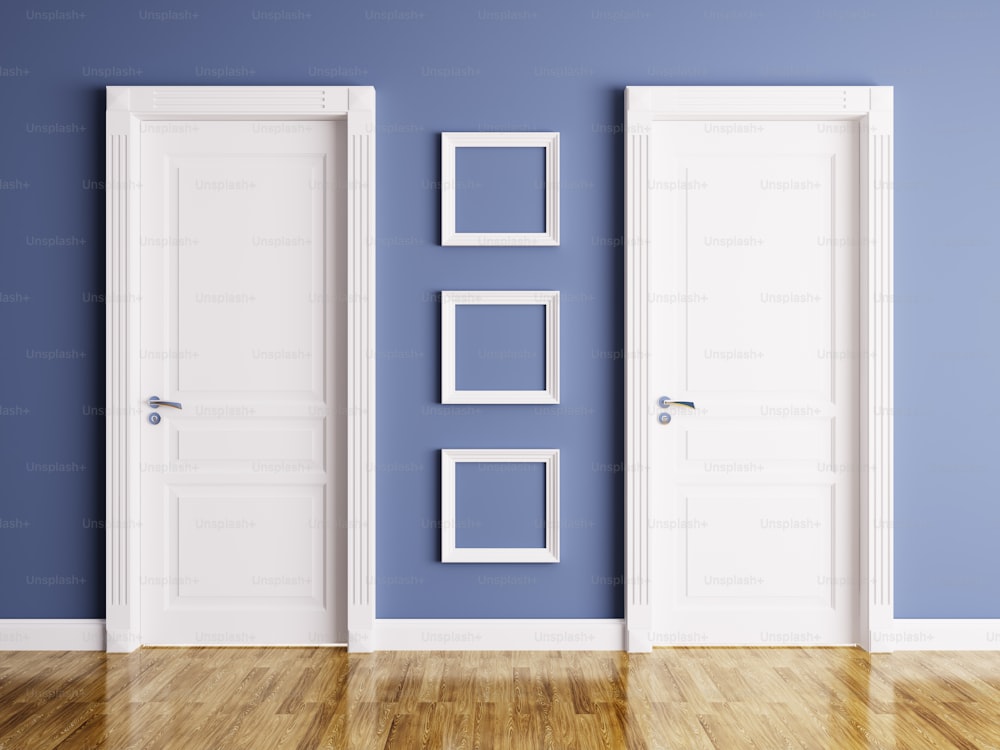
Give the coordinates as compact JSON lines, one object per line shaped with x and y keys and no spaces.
{"x":450,"y":553}
{"x":452,"y":141}
{"x":450,"y":394}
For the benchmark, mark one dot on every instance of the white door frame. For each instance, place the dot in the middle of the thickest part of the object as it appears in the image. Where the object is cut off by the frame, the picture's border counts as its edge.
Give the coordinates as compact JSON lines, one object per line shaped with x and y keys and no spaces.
{"x":871,"y":107}
{"x":129,"y":110}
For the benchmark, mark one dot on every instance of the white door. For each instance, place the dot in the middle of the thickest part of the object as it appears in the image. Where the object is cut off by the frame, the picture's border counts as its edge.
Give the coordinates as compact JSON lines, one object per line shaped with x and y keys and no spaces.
{"x":243,"y":323}
{"x":753,"y":316}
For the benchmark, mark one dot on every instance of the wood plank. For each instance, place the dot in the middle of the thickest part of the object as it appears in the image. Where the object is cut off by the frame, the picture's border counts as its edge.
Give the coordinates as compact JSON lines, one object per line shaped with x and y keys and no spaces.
{"x":695,"y":699}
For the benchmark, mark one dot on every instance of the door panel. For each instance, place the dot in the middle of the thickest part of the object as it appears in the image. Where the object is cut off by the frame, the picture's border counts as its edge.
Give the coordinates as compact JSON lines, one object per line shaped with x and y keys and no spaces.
{"x":233,"y":550}
{"x":768,"y":566}
{"x":244,"y":322}
{"x":255,"y":271}
{"x":753,"y":312}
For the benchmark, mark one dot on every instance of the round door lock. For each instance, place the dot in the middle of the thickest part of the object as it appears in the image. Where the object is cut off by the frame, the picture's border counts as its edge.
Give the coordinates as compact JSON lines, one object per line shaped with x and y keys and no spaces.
{"x":664,"y":418}
{"x":154,"y":418}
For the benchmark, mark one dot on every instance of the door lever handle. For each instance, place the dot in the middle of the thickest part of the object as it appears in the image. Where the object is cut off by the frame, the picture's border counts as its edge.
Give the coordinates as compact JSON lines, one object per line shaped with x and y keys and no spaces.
{"x":154,"y":402}
{"x":664,"y":402}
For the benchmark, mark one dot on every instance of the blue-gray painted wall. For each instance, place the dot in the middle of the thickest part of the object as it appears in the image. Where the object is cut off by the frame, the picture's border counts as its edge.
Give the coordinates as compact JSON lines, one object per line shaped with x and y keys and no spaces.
{"x":558,"y":65}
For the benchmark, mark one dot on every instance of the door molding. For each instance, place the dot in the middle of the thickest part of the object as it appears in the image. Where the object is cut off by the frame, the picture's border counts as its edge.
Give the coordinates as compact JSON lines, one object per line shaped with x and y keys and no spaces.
{"x":129,"y":111}
{"x":871,"y":107}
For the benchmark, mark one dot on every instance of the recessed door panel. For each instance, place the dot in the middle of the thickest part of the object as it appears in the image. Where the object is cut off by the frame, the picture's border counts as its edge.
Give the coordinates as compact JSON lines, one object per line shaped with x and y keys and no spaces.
{"x":773,"y":525}
{"x":231,"y":547}
{"x":250,"y":269}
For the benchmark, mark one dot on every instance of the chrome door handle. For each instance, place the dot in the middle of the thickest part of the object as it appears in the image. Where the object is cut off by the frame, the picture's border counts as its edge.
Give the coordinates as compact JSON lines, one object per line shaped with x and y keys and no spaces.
{"x":155,"y":403}
{"x":664,"y":402}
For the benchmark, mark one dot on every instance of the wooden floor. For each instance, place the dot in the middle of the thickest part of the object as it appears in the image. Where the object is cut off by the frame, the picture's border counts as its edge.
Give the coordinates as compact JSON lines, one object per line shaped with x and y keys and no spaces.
{"x":264,"y":698}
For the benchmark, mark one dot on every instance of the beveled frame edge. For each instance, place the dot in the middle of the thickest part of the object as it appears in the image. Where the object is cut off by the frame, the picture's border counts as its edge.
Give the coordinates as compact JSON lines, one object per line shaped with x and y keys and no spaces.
{"x":451,"y":299}
{"x":872,"y":107}
{"x":547,"y":140}
{"x":127,"y":108}
{"x":450,"y":457}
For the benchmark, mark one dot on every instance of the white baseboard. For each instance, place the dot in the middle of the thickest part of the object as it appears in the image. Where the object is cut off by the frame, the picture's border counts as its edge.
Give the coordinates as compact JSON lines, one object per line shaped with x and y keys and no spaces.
{"x":52,"y":635}
{"x":939,"y":635}
{"x":610,"y":635}
{"x":499,"y":635}
{"x":509,"y":635}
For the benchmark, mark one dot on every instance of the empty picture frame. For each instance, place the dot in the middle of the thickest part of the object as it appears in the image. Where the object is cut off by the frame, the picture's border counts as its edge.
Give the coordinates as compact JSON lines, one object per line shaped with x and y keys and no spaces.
{"x":450,"y":553}
{"x":450,"y":394}
{"x":449,"y":186}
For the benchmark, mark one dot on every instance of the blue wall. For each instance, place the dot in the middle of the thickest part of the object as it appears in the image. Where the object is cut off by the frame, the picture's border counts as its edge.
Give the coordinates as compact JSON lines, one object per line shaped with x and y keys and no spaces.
{"x":449,"y":65}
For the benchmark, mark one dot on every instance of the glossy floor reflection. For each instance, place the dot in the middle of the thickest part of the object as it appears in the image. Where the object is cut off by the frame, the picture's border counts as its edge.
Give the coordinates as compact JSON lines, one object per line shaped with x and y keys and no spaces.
{"x":267,"y":698}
